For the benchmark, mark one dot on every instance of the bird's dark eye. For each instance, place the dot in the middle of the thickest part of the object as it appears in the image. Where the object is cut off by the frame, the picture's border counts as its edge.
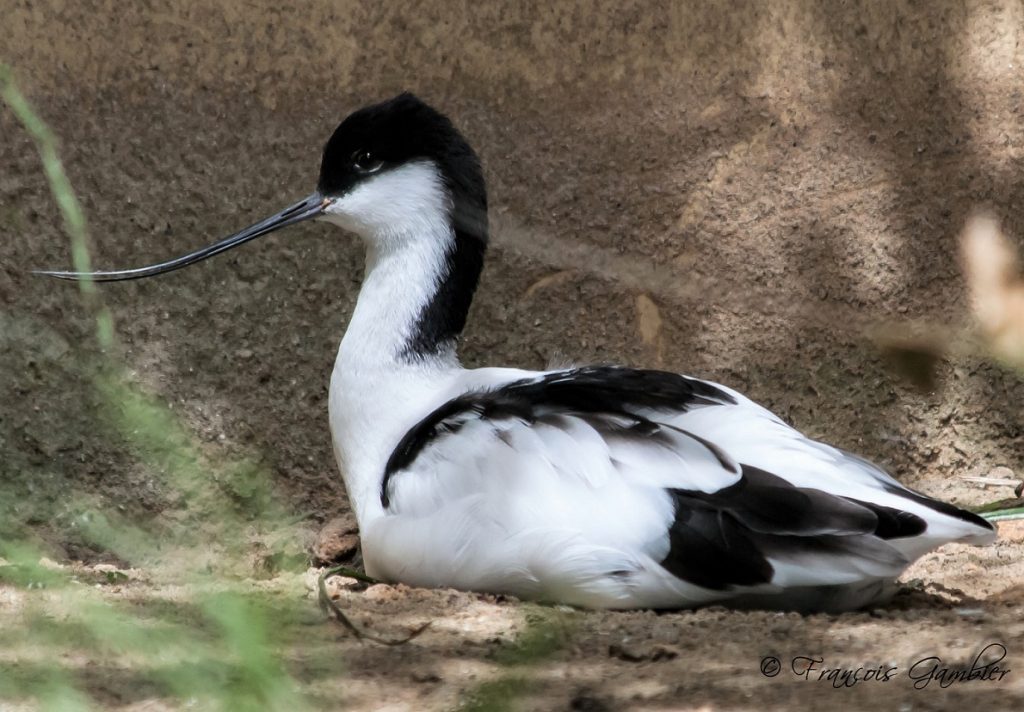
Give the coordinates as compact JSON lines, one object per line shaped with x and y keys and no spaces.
{"x":366,"y":162}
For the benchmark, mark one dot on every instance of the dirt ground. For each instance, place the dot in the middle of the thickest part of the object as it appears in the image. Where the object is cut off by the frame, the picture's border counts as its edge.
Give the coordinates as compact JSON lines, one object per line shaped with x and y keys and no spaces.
{"x":745,"y":194}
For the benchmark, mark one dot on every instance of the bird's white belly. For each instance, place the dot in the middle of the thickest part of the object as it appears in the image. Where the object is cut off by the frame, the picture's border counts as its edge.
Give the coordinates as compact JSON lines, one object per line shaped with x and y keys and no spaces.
{"x":466,"y":546}
{"x":536,"y":536}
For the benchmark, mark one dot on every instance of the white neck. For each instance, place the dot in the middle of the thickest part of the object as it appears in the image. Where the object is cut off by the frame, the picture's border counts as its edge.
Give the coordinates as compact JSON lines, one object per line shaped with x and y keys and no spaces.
{"x":398,"y":284}
{"x":379,"y":389}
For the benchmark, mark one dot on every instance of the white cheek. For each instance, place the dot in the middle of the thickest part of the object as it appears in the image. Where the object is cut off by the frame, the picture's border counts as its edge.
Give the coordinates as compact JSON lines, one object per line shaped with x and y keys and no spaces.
{"x":411,"y":198}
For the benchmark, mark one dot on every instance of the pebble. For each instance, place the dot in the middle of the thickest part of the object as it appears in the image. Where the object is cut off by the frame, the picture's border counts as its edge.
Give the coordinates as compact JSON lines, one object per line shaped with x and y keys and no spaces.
{"x":337,"y":540}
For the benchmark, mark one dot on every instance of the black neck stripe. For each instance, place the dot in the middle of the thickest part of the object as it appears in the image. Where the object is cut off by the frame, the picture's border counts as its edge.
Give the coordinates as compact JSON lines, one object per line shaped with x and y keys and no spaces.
{"x":444,"y":316}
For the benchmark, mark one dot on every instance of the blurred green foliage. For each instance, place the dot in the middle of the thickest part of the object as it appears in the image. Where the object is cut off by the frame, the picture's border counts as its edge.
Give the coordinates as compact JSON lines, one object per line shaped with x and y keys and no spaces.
{"x":220,"y":650}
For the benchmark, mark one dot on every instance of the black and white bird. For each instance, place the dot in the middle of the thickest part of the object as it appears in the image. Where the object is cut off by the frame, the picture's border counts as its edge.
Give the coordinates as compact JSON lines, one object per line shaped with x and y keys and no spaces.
{"x":597,"y":486}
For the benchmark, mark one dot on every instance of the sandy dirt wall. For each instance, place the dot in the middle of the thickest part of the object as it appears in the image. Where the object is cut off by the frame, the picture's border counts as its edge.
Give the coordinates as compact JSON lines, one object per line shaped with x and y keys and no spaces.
{"x":742,"y":195}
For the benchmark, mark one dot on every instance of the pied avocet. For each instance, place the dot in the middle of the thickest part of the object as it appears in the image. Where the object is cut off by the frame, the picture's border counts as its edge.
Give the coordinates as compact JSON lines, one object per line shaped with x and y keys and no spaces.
{"x":598,"y":486}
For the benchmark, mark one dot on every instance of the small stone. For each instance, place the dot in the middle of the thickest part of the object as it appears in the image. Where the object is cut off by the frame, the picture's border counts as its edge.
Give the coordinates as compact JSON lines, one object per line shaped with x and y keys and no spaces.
{"x":337,"y":540}
{"x":1011,"y":530}
{"x":382,"y":592}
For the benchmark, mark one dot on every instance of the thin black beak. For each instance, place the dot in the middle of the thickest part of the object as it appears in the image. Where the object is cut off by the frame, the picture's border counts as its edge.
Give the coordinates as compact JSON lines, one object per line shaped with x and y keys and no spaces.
{"x":305,"y":209}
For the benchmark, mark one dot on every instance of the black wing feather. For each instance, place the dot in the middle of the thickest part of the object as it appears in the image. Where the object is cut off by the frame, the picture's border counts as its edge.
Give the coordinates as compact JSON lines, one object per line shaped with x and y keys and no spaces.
{"x":724,"y":538}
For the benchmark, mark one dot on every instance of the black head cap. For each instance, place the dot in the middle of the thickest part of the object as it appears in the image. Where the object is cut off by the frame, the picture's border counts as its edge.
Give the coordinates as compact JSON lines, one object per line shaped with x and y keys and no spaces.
{"x":403,"y":129}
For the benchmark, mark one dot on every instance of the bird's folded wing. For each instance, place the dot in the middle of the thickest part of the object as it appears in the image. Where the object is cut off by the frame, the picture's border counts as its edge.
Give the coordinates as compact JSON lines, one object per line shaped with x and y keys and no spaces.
{"x":716,"y":489}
